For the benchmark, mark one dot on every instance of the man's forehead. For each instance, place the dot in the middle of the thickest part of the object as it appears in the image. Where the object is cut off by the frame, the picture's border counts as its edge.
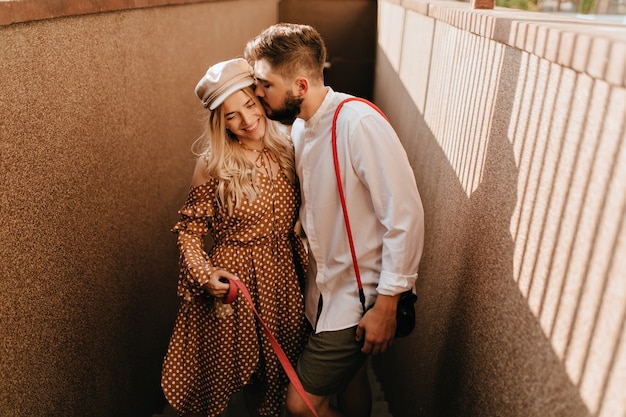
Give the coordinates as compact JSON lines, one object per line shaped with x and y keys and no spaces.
{"x":263,"y":71}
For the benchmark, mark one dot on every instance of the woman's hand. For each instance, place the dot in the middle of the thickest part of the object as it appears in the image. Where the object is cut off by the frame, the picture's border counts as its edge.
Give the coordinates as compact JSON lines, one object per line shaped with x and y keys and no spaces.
{"x":217,"y":288}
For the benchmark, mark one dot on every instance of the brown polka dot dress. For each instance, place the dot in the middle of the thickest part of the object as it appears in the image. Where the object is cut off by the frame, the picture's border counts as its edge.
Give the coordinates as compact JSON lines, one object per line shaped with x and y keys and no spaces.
{"x":216,"y":349}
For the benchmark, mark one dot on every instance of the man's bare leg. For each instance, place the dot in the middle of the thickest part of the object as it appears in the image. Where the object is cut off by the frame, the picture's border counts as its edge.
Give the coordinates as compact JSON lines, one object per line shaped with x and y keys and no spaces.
{"x":356,"y":399}
{"x":296,"y":407}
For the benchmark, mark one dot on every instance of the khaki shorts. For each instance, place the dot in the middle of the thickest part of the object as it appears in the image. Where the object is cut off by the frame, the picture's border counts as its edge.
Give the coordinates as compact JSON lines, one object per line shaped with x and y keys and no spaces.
{"x":329,"y":361}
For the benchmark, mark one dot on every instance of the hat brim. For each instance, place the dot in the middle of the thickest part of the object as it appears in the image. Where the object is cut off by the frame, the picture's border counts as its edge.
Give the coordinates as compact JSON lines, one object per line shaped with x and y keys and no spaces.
{"x":239,"y":85}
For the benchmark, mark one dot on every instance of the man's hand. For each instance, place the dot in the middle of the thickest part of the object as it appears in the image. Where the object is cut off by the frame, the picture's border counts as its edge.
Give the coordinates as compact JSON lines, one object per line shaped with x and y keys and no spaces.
{"x":377,"y":327}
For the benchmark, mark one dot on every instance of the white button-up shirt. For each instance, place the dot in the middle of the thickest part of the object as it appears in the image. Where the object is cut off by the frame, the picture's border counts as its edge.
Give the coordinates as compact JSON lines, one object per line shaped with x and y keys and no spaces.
{"x":384,"y":208}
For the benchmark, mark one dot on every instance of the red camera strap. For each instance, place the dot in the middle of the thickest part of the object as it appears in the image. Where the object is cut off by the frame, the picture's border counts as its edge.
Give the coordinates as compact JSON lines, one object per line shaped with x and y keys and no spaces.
{"x":282,"y":357}
{"x":340,"y":188}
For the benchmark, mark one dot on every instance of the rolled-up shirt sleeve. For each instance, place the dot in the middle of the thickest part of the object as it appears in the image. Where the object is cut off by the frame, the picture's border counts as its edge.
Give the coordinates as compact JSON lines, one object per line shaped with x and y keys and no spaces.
{"x":382,"y":165}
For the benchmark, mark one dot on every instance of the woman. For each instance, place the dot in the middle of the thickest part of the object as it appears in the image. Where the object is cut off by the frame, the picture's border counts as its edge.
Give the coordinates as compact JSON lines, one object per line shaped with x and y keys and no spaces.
{"x":244,"y":192}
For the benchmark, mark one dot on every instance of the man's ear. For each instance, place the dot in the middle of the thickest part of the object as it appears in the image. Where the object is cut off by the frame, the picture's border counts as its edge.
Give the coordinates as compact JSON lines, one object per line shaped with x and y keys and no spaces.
{"x":300,"y":86}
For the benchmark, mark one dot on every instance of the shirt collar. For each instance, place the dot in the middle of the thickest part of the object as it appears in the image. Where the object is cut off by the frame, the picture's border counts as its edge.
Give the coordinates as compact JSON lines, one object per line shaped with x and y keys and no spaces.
{"x":328,"y":99}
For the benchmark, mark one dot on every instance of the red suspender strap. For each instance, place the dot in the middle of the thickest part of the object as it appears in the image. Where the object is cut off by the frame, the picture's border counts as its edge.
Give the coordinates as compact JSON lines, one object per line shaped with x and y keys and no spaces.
{"x":340,"y":189}
{"x":282,"y":357}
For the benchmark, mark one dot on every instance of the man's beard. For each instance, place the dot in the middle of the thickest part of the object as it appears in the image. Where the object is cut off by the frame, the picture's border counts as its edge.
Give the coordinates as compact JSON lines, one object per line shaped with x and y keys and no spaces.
{"x":289,"y":110}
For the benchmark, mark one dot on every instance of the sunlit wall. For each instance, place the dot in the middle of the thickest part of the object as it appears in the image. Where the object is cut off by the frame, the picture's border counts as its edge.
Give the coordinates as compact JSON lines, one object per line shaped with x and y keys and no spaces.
{"x":515,"y":123}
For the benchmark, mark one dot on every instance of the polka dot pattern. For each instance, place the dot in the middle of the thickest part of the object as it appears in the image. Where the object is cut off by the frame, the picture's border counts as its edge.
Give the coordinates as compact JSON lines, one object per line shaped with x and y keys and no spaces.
{"x":216,"y":349}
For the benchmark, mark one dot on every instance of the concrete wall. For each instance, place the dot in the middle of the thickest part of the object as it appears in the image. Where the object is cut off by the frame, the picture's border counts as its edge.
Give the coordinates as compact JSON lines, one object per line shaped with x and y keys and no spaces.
{"x":97,"y":115}
{"x":515,"y":124}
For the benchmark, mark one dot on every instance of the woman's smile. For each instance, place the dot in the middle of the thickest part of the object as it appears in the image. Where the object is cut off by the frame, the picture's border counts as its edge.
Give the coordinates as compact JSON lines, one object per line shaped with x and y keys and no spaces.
{"x":252,"y":128}
{"x":244,"y":116}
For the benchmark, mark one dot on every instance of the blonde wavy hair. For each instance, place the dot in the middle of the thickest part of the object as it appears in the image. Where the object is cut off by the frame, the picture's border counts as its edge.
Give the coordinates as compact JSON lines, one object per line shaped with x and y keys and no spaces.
{"x":225,"y":160}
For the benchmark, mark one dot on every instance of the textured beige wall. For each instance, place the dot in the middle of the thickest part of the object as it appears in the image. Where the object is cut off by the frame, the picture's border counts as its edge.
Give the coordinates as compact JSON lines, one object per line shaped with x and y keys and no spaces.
{"x":521,"y":162}
{"x":97,"y":114}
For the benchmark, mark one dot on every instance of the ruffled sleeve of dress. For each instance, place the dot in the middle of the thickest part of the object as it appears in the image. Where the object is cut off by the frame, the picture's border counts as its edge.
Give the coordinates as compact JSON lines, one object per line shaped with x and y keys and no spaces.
{"x":195,"y":219}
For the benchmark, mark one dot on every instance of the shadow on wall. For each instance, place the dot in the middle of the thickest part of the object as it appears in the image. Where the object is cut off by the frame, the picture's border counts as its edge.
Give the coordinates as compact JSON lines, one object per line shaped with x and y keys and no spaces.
{"x":496,"y":359}
{"x":477,"y":350}
{"x":524,"y":208}
{"x":569,"y":220}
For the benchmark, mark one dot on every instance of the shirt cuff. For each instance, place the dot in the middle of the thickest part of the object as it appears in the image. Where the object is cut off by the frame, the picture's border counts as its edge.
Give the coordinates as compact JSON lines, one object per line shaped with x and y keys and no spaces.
{"x":394,"y":284}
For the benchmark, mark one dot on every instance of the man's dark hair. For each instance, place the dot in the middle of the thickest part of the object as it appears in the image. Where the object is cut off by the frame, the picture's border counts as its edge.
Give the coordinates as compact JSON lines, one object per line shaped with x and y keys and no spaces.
{"x":289,"y":49}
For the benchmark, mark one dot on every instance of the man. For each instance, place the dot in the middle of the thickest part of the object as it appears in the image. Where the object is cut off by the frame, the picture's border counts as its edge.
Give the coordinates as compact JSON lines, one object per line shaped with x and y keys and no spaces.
{"x":385,"y":213}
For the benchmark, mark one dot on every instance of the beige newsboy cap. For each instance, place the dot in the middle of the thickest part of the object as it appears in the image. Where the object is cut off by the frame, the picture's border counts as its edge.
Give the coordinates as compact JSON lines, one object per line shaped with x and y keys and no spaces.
{"x":223,"y":79}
